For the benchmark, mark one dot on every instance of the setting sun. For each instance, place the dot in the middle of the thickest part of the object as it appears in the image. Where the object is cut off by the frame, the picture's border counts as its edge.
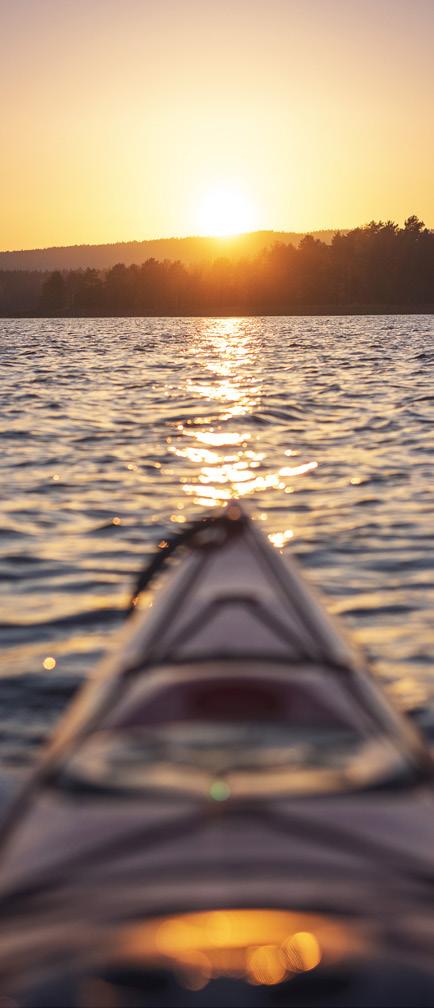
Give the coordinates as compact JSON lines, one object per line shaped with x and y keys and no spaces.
{"x":225,"y":210}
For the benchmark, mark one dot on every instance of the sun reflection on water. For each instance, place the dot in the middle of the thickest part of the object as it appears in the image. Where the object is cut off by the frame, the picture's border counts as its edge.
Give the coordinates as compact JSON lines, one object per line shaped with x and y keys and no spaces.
{"x":228,"y":465}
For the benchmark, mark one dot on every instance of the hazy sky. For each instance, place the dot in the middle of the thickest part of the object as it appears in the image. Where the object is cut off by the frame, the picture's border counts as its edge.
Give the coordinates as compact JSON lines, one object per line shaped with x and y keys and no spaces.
{"x":119,"y":116}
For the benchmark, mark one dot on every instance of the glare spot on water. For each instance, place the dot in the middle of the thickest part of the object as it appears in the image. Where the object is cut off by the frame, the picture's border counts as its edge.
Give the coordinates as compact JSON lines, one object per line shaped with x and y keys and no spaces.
{"x":218,"y":439}
{"x":49,"y":663}
{"x":279,"y":539}
{"x":298,"y":470}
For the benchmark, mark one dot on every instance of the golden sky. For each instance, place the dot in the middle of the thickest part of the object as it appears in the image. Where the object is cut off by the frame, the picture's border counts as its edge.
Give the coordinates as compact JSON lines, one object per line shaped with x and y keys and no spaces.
{"x":130,"y":119}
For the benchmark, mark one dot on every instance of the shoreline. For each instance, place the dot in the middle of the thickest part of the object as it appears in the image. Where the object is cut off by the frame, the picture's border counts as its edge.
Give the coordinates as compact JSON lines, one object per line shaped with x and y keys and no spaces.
{"x":302,"y":310}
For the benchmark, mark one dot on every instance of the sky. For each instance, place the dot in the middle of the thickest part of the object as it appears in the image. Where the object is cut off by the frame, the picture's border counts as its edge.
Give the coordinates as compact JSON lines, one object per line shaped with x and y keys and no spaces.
{"x":134,"y":119}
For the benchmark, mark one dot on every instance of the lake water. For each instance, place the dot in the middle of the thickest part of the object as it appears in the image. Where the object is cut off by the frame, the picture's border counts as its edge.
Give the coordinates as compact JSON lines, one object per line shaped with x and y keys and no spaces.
{"x":115,"y":430}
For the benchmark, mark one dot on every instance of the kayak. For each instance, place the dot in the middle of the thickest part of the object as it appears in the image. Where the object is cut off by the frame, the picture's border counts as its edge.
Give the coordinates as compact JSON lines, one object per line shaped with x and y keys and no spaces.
{"x":232,"y":811}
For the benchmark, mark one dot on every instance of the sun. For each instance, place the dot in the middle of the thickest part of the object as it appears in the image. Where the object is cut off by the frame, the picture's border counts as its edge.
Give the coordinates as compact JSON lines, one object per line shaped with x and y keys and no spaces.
{"x":224,"y":211}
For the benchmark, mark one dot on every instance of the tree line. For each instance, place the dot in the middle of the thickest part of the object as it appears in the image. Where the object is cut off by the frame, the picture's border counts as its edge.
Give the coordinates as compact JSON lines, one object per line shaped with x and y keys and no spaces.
{"x":374,"y":267}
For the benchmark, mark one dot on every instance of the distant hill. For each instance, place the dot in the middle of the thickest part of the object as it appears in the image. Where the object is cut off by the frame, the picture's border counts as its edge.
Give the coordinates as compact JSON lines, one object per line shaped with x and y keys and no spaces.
{"x":189,"y":251}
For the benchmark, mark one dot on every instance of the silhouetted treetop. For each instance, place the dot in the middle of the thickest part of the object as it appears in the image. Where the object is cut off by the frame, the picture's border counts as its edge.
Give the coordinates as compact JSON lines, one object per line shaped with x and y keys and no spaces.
{"x":415,"y":225}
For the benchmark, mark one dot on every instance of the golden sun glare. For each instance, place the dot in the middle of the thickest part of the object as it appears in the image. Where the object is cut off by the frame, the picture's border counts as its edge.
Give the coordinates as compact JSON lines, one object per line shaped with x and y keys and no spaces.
{"x":224,"y":211}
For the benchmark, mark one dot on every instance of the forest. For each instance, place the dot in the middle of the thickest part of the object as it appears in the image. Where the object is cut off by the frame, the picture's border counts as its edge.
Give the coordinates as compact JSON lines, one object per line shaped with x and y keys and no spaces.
{"x":377,"y":267}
